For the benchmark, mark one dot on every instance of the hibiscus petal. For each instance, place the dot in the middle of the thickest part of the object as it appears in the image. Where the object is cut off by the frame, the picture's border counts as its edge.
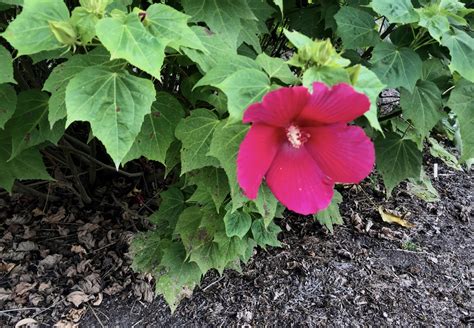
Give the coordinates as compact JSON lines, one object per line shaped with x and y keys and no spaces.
{"x":279,"y":107}
{"x":341,"y":103}
{"x":297,"y":182}
{"x":343,"y":152}
{"x":256,"y":153}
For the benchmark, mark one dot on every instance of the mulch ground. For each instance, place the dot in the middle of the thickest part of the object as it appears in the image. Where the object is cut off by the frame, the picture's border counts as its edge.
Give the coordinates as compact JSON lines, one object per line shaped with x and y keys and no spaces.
{"x":68,"y":265}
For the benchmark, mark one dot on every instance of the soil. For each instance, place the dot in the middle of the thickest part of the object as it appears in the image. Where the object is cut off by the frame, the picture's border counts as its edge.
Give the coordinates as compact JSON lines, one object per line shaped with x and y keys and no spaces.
{"x":367,"y":273}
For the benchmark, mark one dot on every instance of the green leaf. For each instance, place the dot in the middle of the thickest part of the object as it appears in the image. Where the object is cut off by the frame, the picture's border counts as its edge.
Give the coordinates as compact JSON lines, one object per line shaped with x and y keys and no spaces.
{"x":279,"y":3}
{"x":437,"y":16}
{"x":180,"y":278}
{"x":437,"y":150}
{"x":397,"y":159}
{"x":170,"y":26}
{"x":29,"y":124}
{"x":423,"y":188}
{"x":225,"y":68}
{"x":401,"y":11}
{"x":158,"y":129}
{"x":27,"y":165}
{"x":237,"y":223}
{"x":231,"y":250}
{"x":171,"y":206}
{"x":61,"y":75}
{"x":119,"y":4}
{"x":114,"y":103}
{"x":396,"y":67}
{"x":147,"y":249}
{"x":422,"y":107}
{"x":217,"y":49}
{"x":211,"y":181}
{"x":436,"y":71}
{"x":223,"y":17}
{"x":30,"y":32}
{"x":225,"y":146}
{"x":276,"y":68}
{"x":434,"y":21}
{"x":6,"y":66}
{"x":331,"y":215}
{"x":406,"y":131}
{"x":297,"y":39}
{"x":8,"y":100}
{"x":242,"y":89}
{"x":460,"y":101}
{"x":13,"y":2}
{"x":328,"y":75}
{"x":195,"y":133}
{"x":367,"y":82}
{"x":461,"y":48}
{"x":84,"y":22}
{"x":129,"y":39}
{"x":307,"y":19}
{"x":265,"y":235}
{"x":266,"y":204}
{"x":188,"y":228}
{"x":356,"y":28}
{"x":250,"y":34}
{"x":207,"y":256}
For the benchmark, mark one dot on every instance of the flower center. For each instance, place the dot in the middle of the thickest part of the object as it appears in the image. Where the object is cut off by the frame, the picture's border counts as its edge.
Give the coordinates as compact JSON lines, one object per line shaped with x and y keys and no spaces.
{"x":296,"y":136}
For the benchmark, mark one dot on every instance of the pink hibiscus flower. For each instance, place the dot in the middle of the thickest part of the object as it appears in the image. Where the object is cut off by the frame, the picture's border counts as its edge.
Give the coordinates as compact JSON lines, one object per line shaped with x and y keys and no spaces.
{"x":302,"y":145}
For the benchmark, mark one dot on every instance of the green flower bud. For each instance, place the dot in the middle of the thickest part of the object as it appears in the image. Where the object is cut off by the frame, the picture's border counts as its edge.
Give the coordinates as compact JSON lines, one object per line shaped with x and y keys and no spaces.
{"x":64,"y":32}
{"x":95,"y":6}
{"x":319,"y":53}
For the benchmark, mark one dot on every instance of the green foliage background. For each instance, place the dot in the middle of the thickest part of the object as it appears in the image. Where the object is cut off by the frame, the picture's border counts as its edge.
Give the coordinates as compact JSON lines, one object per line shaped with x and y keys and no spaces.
{"x":169,"y":81}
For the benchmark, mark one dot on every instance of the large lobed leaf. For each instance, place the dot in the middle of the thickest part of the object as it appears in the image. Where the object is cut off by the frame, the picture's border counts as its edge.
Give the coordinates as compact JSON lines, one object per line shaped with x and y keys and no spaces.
{"x":396,"y":67}
{"x":27,"y":165}
{"x":356,"y":28}
{"x":195,"y":133}
{"x":114,"y":103}
{"x":30,"y":32}
{"x":158,"y":129}
{"x":63,"y":73}
{"x":397,"y":159}
{"x":127,"y":38}
{"x":8,"y":100}
{"x":223,"y":17}
{"x":423,"y":106}
{"x":29,"y":126}
{"x":461,"y":101}
{"x":225,"y":146}
{"x":6,"y":67}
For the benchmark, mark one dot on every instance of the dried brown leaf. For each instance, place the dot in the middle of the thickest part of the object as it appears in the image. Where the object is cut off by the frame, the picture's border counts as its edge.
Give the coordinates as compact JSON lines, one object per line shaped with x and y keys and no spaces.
{"x":23,"y":287}
{"x":98,"y":300}
{"x":75,"y":315}
{"x":29,"y":322}
{"x":6,"y":267}
{"x":65,"y":324}
{"x":50,"y":261}
{"x":78,"y":249}
{"x":78,"y":297}
{"x":54,"y":218}
{"x":44,"y":286}
{"x":91,"y":284}
{"x":26,"y":246}
{"x":392,"y":218}
{"x":5,"y":294}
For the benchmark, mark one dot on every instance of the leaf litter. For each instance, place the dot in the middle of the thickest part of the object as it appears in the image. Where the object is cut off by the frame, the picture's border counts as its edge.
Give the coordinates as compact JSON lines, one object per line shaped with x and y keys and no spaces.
{"x":66,"y":266}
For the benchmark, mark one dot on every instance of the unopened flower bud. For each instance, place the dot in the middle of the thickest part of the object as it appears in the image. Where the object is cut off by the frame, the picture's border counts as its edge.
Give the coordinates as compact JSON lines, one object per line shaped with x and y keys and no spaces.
{"x":64,"y":32}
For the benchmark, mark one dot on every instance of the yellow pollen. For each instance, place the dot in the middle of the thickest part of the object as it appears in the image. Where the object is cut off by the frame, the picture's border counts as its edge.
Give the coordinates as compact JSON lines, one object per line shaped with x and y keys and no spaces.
{"x":296,"y":137}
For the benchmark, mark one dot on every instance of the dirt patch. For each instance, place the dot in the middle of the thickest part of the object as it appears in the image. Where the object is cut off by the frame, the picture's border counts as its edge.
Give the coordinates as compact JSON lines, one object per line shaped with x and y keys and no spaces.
{"x":367,"y":273}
